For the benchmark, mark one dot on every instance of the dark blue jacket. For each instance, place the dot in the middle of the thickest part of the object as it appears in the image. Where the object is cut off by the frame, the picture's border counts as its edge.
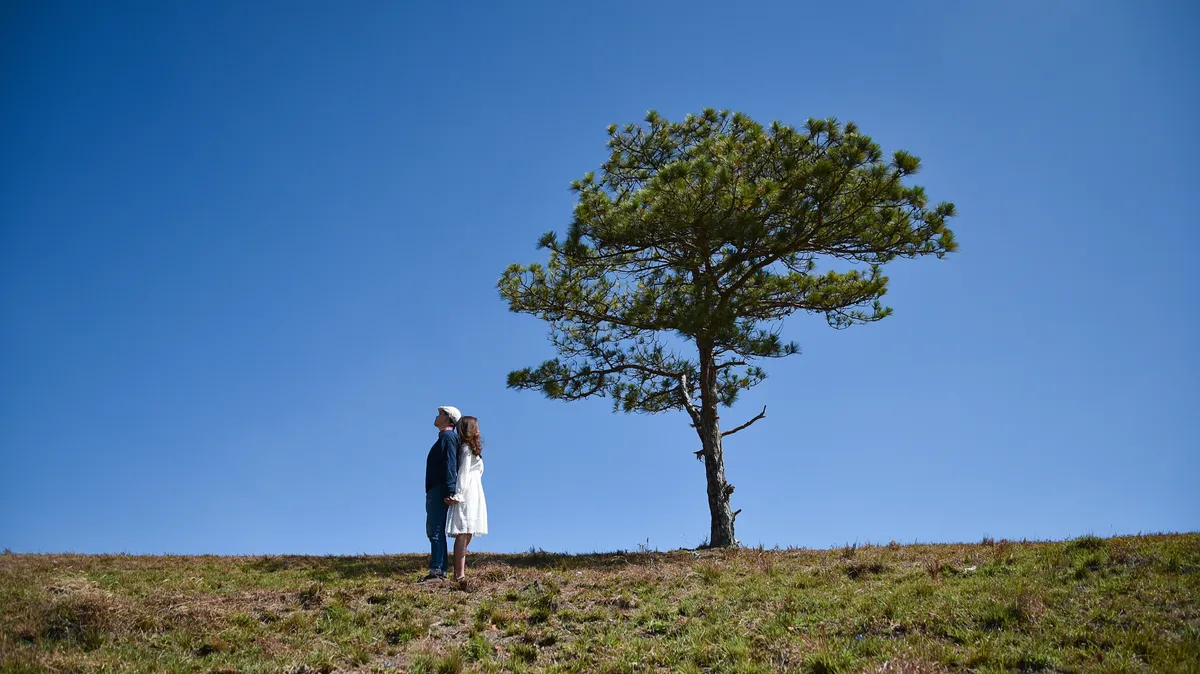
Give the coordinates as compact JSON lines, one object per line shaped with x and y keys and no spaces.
{"x":441,"y":467}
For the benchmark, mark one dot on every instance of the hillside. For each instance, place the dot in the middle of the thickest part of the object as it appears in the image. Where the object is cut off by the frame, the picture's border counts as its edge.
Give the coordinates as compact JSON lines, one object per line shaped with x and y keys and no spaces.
{"x":1128,"y":604}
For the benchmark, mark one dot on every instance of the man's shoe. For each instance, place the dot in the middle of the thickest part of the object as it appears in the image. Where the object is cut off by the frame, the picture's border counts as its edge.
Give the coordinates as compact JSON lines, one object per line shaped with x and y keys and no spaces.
{"x":432,"y":576}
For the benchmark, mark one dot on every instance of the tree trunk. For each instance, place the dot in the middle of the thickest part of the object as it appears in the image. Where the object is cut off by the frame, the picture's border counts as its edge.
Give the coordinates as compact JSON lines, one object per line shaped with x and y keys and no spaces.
{"x":721,"y":532}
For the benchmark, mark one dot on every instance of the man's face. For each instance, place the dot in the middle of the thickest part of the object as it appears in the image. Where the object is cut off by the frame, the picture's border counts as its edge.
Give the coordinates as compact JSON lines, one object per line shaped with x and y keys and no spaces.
{"x":442,"y":420}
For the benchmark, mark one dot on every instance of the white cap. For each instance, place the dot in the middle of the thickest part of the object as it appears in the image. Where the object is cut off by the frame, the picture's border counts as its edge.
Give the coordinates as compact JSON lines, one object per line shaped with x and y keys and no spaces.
{"x":451,"y":412}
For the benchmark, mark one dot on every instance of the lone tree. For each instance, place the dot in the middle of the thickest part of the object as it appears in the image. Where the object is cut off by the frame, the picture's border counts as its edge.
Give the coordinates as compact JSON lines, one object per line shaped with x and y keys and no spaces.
{"x":693,"y":243}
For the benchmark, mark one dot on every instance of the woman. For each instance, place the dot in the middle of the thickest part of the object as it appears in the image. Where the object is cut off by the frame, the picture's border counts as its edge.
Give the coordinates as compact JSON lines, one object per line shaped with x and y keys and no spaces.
{"x":468,"y":512}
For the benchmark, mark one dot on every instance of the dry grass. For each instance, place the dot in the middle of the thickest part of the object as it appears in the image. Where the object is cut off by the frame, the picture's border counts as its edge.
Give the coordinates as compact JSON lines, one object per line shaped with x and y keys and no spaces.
{"x":1115,"y":605}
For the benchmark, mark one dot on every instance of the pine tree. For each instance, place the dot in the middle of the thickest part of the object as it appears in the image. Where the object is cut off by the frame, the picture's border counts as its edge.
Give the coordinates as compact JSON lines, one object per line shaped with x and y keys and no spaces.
{"x":693,"y":243}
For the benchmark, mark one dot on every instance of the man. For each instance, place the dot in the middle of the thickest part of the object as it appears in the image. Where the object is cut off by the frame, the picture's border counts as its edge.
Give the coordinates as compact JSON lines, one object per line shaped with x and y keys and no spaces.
{"x":441,"y":478}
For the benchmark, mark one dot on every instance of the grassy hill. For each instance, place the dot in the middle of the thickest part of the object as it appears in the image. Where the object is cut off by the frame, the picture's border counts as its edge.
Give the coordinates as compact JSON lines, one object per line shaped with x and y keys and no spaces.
{"x":1089,"y":605}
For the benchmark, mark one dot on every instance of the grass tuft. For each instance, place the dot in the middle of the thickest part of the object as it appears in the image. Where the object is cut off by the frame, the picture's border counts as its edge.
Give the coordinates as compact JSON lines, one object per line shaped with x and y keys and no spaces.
{"x":1088,"y":542}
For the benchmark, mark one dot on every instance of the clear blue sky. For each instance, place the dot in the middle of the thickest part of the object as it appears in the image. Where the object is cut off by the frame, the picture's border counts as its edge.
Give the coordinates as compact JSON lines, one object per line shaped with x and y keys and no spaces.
{"x":247,"y":248}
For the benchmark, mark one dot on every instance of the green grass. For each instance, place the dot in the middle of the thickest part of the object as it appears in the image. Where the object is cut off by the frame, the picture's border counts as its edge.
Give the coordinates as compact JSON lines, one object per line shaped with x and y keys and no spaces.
{"x":1089,"y":605}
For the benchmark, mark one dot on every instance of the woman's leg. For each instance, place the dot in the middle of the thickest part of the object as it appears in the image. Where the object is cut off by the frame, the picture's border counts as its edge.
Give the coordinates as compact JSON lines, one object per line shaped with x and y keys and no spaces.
{"x":460,"y":554}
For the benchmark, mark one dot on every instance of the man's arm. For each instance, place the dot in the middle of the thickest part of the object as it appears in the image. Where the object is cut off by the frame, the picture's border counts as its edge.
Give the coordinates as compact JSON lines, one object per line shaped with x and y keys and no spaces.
{"x":449,"y":449}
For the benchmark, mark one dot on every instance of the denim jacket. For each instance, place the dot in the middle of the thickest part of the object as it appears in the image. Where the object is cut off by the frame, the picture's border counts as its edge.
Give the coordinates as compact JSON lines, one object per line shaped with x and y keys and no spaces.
{"x":441,"y":466}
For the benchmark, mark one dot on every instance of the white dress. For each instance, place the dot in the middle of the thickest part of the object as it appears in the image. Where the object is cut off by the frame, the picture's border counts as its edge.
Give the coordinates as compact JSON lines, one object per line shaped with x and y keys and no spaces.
{"x":469,"y":514}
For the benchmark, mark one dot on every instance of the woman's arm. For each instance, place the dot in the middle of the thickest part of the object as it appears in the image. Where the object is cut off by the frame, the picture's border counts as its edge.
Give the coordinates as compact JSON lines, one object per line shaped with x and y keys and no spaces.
{"x":464,"y":474}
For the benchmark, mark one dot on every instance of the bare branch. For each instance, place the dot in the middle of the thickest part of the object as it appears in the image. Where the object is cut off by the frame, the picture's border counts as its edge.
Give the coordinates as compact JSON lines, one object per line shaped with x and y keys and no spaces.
{"x":761,"y":414}
{"x":685,"y":392}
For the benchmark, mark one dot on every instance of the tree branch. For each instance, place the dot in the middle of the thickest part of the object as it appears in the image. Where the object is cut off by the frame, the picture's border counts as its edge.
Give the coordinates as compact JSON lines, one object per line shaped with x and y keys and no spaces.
{"x":685,"y":392}
{"x":761,"y":414}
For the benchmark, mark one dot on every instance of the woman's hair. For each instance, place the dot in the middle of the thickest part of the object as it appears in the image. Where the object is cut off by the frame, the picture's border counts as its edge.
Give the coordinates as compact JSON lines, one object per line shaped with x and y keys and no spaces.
{"x":468,"y":434}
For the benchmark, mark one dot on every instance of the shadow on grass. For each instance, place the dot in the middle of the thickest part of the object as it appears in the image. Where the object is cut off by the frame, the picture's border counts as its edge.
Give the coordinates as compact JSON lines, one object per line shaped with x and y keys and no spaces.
{"x":333,"y":567}
{"x":349,"y":567}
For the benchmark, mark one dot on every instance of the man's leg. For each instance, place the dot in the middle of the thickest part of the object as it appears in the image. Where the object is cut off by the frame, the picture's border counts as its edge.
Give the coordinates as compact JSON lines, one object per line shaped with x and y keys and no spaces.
{"x":435,"y":529}
{"x":441,"y":540}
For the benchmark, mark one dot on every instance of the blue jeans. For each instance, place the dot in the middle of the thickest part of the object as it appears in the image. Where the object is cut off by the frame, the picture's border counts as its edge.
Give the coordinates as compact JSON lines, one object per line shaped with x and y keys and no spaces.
{"x":435,"y":529}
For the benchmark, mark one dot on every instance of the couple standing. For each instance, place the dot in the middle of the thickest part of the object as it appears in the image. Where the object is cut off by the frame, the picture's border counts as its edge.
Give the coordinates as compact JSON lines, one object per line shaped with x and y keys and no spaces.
{"x":454,"y":502}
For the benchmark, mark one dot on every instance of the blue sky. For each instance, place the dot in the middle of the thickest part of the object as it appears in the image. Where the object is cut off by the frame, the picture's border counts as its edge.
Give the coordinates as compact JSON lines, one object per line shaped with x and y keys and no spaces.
{"x":247,"y":248}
